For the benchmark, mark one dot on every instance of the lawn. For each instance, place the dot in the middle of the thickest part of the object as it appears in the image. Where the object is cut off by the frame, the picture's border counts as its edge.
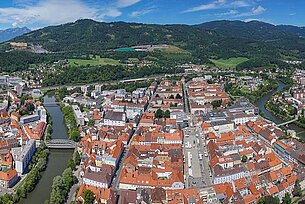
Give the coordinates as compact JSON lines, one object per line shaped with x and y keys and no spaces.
{"x":229,"y":63}
{"x":93,"y":62}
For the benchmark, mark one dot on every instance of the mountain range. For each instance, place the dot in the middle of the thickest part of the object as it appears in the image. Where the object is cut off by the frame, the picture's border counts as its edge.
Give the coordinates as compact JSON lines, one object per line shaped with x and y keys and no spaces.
{"x":264,"y":44}
{"x":11,"y":33}
{"x":219,"y":39}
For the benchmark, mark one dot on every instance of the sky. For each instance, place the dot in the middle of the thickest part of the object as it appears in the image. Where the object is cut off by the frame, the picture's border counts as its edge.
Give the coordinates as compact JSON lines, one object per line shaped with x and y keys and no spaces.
{"x":40,"y":13}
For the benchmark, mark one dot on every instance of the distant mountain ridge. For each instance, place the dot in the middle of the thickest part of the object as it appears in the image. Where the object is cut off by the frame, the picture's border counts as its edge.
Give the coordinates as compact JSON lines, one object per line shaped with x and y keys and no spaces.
{"x":262,"y":43}
{"x":254,"y":29}
{"x":11,"y":33}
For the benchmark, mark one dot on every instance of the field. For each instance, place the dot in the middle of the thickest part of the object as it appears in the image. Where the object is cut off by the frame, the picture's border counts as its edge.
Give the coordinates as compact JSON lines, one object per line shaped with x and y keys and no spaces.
{"x":93,"y":62}
{"x":229,"y":63}
{"x":174,"y":49}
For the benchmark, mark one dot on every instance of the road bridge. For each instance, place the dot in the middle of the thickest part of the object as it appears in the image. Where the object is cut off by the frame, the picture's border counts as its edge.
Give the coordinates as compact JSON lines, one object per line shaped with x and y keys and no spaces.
{"x":51,"y":104}
{"x":61,"y":144}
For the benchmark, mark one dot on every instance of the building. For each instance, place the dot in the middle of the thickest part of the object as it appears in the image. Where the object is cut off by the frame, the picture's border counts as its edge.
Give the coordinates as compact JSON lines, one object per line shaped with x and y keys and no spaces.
{"x":80,"y":120}
{"x":113,"y":118}
{"x":22,"y":155}
{"x":29,"y":119}
{"x":41,"y":111}
{"x":8,"y":178}
{"x":98,"y":177}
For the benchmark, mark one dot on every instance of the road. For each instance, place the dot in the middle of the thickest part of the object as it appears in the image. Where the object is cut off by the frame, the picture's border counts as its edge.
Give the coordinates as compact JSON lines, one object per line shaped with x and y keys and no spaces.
{"x":185,"y":98}
{"x":197,"y":171}
{"x":116,"y":181}
{"x":116,"y":81}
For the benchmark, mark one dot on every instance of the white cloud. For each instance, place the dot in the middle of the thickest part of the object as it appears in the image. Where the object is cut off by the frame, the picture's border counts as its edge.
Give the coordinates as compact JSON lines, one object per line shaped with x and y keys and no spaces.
{"x":214,"y":5}
{"x":53,"y":12}
{"x":136,"y":14}
{"x":231,"y":12}
{"x":240,"y":4}
{"x":254,"y":11}
{"x":48,"y":12}
{"x":219,"y":4}
{"x":126,"y":3}
{"x":258,"y":10}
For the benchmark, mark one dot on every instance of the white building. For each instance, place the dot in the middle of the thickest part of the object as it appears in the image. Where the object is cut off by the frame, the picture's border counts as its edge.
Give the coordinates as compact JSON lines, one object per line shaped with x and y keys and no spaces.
{"x":23,"y":155}
{"x":78,"y":115}
{"x":113,"y":118}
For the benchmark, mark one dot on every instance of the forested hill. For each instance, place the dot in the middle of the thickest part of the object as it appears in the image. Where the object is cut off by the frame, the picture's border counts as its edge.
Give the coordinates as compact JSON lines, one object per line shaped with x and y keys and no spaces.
{"x":218,"y":39}
{"x":89,"y":35}
{"x":259,"y":44}
{"x":254,"y":30}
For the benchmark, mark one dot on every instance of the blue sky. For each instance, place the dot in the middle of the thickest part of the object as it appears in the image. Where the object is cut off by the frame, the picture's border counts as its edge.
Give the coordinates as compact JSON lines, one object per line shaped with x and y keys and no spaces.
{"x":40,"y":13}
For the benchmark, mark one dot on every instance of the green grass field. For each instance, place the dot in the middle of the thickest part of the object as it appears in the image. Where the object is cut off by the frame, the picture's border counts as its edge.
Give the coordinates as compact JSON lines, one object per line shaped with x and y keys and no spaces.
{"x":93,"y":62}
{"x":229,"y":63}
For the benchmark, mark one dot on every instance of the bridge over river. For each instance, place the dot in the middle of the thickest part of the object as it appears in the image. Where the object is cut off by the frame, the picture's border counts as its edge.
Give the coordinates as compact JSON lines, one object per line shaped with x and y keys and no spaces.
{"x":288,"y":122}
{"x":51,"y":104}
{"x":60,"y":144}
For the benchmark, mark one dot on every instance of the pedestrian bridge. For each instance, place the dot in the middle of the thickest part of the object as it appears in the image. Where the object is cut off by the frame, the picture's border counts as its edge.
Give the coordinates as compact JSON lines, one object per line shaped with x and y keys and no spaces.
{"x":60,"y":144}
{"x":288,"y":122}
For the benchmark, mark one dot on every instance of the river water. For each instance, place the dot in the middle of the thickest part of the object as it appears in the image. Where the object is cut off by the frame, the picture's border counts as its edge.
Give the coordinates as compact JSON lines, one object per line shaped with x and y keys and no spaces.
{"x":260,"y":103}
{"x":57,"y":159}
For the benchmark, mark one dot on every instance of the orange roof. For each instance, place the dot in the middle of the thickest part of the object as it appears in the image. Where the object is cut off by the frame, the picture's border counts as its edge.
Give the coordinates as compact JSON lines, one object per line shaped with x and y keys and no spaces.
{"x":246,"y":152}
{"x":96,"y":115}
{"x":250,"y":199}
{"x":100,"y":193}
{"x":273,"y":190}
{"x":148,"y":118}
{"x":273,"y":160}
{"x":240,"y":183}
{"x":36,"y":133}
{"x":8,"y":175}
{"x":224,"y":188}
{"x":292,"y":179}
{"x":211,"y":135}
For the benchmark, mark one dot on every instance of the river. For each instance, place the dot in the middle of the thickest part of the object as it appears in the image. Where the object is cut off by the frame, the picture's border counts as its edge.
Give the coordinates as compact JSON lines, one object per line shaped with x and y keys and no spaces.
{"x":260,"y":103}
{"x":57,"y":159}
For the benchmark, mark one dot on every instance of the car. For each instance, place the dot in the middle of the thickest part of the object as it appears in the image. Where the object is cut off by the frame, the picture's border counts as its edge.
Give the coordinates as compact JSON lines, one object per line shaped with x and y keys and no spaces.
{"x":206,"y":154}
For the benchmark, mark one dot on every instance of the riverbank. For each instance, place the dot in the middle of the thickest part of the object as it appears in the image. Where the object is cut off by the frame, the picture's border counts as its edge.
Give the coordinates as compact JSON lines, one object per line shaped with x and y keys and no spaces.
{"x":37,"y":165}
{"x":57,"y":160}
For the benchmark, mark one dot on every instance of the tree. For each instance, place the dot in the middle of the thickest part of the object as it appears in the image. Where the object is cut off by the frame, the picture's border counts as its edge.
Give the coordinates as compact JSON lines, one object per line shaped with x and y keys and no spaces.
{"x":91,"y":122}
{"x":287,"y":199}
{"x":159,"y":113}
{"x":88,"y":197}
{"x":58,"y":191}
{"x":67,"y":177}
{"x":178,"y":96}
{"x":71,"y":164}
{"x":76,"y":158}
{"x":297,"y":191}
{"x":167,"y":114}
{"x":75,"y":135}
{"x":216,"y":104}
{"x":244,"y":158}
{"x":269,"y":200}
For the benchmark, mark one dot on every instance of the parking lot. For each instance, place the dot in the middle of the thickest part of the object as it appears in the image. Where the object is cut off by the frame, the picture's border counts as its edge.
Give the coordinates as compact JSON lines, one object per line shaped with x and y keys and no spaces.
{"x":197,"y":171}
